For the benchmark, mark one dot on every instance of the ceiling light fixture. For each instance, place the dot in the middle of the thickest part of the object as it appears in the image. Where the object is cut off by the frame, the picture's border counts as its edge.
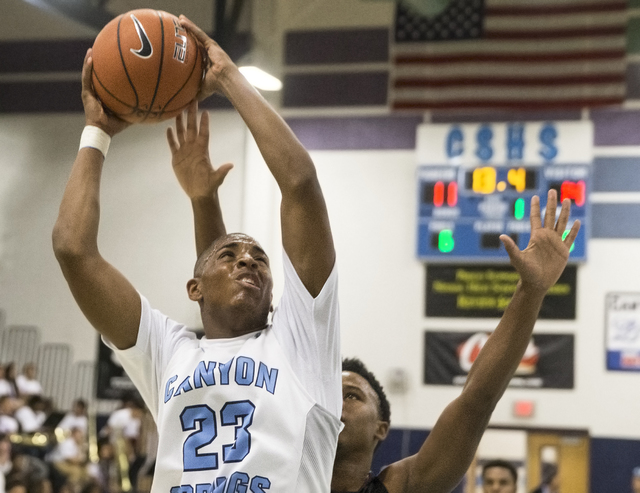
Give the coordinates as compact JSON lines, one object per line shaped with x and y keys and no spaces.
{"x":261,"y":79}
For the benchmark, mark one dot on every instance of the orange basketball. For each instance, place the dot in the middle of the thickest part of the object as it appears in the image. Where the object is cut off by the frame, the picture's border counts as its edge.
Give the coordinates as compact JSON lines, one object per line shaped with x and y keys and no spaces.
{"x":146,"y":67}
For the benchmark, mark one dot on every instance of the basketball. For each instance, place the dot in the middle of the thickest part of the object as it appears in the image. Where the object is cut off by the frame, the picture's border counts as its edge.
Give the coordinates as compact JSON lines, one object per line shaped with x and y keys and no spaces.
{"x":146,"y":66}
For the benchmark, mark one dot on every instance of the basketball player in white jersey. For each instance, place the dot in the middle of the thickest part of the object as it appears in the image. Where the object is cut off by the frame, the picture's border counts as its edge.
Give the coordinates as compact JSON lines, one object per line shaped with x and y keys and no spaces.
{"x":253,"y":406}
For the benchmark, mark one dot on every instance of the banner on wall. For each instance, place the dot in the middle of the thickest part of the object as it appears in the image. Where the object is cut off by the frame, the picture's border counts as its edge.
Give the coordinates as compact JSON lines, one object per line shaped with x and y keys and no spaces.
{"x":622,"y":322}
{"x":547,"y":362}
{"x":484,"y":291}
{"x":112,"y":381}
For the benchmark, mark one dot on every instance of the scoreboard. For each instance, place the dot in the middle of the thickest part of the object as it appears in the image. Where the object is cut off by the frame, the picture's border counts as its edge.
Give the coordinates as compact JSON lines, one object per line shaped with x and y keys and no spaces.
{"x":475,"y":182}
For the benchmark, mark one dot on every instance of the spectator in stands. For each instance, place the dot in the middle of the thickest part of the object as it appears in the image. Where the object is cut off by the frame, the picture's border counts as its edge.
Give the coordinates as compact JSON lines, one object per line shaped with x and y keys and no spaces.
{"x":499,"y":476}
{"x":5,"y":386}
{"x":635,"y":480}
{"x":27,"y":383}
{"x":15,"y":485}
{"x":8,"y":424}
{"x":8,"y":381}
{"x":76,"y":418}
{"x":69,"y":458}
{"x":105,"y":471}
{"x":126,"y":423}
{"x":6,"y":463}
{"x":32,"y":472}
{"x":31,"y":414}
{"x":550,"y":480}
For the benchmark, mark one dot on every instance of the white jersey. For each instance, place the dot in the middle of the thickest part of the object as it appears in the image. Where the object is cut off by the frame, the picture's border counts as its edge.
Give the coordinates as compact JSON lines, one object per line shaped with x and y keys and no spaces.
{"x":256,"y":413}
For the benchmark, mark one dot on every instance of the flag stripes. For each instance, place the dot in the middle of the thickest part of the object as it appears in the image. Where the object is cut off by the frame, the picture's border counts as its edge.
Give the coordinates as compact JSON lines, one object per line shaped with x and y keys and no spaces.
{"x":563,"y":53}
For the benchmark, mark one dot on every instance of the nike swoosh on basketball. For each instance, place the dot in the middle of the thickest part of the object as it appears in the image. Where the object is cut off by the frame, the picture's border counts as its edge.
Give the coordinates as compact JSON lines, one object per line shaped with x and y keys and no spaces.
{"x":146,"y":50}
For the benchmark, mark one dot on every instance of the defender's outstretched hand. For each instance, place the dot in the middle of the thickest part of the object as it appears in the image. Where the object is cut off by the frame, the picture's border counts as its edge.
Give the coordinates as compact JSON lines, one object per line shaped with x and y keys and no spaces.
{"x":217,"y":61}
{"x":95,"y":114}
{"x":542,"y":262}
{"x":190,"y":155}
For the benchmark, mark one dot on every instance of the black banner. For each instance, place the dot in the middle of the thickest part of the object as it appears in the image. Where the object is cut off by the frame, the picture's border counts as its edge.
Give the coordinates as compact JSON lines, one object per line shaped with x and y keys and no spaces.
{"x":547,"y":363}
{"x":112,"y":381}
{"x":484,"y":291}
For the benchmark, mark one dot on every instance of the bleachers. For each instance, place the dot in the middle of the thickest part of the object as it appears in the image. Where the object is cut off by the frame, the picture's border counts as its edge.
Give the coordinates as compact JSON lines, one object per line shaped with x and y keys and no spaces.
{"x":62,"y":379}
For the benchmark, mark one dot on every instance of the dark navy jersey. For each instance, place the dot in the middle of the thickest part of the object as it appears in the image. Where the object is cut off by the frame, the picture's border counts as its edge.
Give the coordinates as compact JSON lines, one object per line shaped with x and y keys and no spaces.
{"x":374,"y":485}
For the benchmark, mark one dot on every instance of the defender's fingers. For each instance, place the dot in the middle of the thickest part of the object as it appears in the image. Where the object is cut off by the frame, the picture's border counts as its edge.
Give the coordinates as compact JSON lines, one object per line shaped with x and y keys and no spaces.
{"x":573,"y":233}
{"x":171,"y":139}
{"x":550,"y":215}
{"x":192,"y":120}
{"x":563,"y":219}
{"x":204,"y":126}
{"x":510,"y":246}
{"x":223,"y":171}
{"x":534,"y":215}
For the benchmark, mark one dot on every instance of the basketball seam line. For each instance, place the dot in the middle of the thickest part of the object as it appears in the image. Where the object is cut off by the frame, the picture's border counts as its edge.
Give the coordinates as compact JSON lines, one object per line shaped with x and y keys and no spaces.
{"x":159,"y":69}
{"x":124,"y":66}
{"x":185,"y":82}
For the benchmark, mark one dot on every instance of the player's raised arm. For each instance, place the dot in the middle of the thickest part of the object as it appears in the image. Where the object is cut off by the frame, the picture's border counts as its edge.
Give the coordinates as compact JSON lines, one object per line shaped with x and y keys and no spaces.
{"x":198,"y":178}
{"x":104,"y":295}
{"x":305,"y":223}
{"x":448,"y":451}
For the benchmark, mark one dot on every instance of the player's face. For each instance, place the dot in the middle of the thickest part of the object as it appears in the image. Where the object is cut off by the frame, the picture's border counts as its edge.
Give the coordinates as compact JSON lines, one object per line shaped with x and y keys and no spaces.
{"x":498,"y":480}
{"x":237,"y":273}
{"x":362,"y":425}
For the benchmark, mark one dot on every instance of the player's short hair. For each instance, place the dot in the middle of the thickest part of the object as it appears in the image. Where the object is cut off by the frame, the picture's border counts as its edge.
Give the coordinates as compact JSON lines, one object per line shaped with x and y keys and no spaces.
{"x":503,"y":464}
{"x":356,"y":366}
{"x":204,"y":256}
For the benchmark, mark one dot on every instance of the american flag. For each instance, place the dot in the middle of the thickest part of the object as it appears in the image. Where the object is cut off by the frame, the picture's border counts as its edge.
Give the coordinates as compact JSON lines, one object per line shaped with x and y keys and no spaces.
{"x":509,"y":54}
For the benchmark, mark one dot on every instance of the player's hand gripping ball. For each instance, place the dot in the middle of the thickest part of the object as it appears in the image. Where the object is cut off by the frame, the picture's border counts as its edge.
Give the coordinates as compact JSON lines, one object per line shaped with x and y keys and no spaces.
{"x":146,"y":67}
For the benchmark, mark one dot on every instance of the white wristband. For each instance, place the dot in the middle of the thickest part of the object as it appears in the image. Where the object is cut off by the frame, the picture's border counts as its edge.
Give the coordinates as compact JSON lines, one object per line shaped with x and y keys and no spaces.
{"x":95,"y":137}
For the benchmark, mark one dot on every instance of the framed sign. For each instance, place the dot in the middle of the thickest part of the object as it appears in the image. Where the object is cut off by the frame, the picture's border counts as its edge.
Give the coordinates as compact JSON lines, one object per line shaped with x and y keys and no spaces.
{"x":622,"y":322}
{"x":547,"y":363}
{"x":484,"y":291}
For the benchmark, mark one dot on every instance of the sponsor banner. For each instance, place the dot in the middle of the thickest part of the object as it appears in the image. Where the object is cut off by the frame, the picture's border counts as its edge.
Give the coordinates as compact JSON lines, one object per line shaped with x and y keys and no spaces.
{"x":622,"y":321}
{"x":484,"y":291}
{"x":112,"y":381}
{"x":547,"y":362}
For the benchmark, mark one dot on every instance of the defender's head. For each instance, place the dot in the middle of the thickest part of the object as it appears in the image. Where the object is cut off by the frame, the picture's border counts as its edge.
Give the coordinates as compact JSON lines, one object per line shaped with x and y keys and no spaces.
{"x":366,"y":413}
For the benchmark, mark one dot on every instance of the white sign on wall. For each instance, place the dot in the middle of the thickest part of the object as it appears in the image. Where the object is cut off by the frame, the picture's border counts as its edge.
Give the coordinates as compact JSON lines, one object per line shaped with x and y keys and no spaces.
{"x":622,"y":321}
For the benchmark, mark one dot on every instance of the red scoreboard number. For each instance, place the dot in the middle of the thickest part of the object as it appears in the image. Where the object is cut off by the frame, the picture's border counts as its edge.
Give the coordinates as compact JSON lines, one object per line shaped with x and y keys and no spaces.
{"x":440,"y":193}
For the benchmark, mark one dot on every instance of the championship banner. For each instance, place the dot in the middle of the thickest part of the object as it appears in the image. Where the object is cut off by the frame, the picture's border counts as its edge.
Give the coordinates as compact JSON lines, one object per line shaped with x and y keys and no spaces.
{"x":622,"y":321}
{"x":547,"y":362}
{"x":112,"y":381}
{"x":484,"y":291}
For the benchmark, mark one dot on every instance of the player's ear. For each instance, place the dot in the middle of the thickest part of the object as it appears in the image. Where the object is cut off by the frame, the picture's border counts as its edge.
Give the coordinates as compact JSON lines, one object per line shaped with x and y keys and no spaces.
{"x":193,"y":289}
{"x":382,"y":430}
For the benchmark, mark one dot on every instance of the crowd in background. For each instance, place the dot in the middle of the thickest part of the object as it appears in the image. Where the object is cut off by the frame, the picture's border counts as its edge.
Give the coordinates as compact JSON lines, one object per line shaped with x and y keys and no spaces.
{"x":44,"y":450}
